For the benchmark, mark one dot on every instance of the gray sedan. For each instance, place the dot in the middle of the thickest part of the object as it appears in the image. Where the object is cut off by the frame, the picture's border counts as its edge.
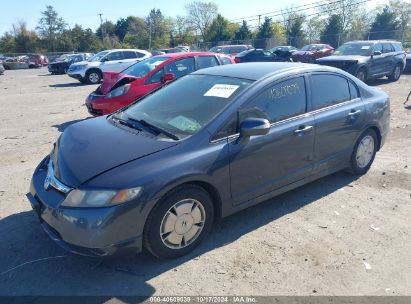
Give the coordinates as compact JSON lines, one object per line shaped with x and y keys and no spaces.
{"x":157,"y":173}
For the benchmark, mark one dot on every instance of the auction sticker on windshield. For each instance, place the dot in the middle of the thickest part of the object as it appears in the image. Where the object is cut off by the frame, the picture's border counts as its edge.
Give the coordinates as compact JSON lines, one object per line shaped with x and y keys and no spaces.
{"x":222,"y":90}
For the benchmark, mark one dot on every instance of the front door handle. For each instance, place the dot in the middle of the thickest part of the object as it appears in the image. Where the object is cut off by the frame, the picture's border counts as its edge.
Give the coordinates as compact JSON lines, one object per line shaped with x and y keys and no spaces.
{"x":354,"y":113}
{"x":303,"y":129}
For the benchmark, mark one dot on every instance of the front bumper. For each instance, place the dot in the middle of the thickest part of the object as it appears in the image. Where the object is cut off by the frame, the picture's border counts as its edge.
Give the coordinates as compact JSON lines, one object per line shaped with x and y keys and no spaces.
{"x":75,"y":76}
{"x":91,"y":106}
{"x":85,"y":231}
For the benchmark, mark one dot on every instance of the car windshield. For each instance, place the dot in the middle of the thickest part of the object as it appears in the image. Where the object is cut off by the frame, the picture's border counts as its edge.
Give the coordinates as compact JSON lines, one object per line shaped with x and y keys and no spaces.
{"x":98,"y":56}
{"x":142,"y":68}
{"x":186,"y":105}
{"x":361,"y":49}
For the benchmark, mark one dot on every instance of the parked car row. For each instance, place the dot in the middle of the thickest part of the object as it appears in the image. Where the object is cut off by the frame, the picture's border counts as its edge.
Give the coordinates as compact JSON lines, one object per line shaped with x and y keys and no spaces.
{"x":157,"y":173}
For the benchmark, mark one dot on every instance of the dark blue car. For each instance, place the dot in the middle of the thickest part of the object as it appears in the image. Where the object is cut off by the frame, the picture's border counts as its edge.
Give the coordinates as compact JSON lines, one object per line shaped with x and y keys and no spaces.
{"x":158,"y":173}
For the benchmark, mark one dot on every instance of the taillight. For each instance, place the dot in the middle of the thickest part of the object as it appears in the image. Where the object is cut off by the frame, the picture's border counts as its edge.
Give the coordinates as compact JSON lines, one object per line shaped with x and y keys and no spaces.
{"x":237,"y":59}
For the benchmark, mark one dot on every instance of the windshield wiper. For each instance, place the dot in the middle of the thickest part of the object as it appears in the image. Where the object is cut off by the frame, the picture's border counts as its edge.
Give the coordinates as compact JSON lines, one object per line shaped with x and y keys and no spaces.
{"x":126,"y":123}
{"x":154,"y":128}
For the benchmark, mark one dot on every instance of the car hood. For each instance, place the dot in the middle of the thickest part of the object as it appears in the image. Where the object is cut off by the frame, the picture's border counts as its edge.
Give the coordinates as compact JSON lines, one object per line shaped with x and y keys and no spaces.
{"x":112,"y":80}
{"x":93,"y":146}
{"x":342,"y":58}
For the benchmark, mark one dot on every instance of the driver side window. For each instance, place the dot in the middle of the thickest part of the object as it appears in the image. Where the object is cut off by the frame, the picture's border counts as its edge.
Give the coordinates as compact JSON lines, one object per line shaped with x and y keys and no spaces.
{"x":157,"y":76}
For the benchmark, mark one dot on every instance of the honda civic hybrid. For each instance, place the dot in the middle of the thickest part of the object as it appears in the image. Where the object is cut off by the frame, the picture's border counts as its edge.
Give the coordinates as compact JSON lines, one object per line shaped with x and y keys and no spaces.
{"x":158,"y":173}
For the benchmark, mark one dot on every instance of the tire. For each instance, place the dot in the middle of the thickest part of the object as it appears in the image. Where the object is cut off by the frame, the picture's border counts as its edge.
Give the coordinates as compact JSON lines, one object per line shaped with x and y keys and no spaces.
{"x":93,"y":76}
{"x":182,"y":234}
{"x":396,"y":73}
{"x":361,"y":164}
{"x":361,"y":74}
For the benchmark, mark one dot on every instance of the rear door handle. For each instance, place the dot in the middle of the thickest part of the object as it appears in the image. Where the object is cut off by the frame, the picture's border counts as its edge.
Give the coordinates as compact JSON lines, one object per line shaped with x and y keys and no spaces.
{"x":354,"y":113}
{"x":303,"y":129}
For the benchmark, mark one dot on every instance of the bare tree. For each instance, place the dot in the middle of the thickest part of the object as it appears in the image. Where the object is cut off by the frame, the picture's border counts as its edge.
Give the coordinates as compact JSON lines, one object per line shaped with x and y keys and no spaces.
{"x":345,"y":9}
{"x":201,"y":14}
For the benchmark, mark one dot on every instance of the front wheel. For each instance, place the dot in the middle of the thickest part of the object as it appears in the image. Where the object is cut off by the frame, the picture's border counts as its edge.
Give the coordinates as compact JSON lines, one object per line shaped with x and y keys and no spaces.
{"x":93,"y":76}
{"x":364,"y":152}
{"x":179,"y":222}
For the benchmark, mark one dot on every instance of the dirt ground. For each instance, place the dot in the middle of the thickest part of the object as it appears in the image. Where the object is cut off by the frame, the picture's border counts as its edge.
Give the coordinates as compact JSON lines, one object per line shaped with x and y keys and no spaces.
{"x":340,"y":235}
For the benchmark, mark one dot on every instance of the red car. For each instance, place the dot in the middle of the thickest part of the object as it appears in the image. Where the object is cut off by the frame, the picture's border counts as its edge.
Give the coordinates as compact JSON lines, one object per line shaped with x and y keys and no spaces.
{"x":311,"y":52}
{"x":121,"y":89}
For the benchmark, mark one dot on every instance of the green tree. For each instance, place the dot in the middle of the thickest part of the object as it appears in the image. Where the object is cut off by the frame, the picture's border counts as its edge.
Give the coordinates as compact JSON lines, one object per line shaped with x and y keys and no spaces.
{"x":121,"y":28}
{"x":313,"y":28}
{"x":7,"y":43}
{"x":332,"y":31}
{"x":385,"y":25}
{"x":219,"y":30}
{"x":26,"y":41}
{"x":137,"y":33}
{"x":264,"y":31}
{"x":294,"y":31}
{"x":106,"y":30}
{"x":243,"y":32}
{"x":50,"y":27}
{"x":159,"y":27}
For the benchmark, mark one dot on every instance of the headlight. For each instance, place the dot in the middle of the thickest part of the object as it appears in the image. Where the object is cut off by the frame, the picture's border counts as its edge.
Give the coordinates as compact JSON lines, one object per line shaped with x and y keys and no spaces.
{"x":99,"y":198}
{"x":118,"y":91}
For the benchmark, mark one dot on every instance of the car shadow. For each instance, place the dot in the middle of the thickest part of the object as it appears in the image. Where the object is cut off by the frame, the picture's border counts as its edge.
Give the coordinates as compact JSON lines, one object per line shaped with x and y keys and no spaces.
{"x":24,"y":271}
{"x":378,"y":81}
{"x":61,"y":127}
{"x":68,"y":85}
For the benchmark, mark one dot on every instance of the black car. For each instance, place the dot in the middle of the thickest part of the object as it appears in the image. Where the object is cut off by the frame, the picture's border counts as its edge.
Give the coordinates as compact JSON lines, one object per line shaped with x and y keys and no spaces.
{"x":160,"y":171}
{"x":369,"y":59}
{"x":61,"y":65}
{"x":257,"y":55}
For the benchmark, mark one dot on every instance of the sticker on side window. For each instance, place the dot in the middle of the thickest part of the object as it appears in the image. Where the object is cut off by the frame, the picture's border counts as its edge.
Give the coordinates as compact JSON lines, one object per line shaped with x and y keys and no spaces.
{"x":222,"y":90}
{"x":365,"y":47}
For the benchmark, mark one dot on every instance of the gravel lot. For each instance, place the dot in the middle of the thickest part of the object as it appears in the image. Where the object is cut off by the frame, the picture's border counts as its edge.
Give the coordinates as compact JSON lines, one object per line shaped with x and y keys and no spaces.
{"x":317,"y":239}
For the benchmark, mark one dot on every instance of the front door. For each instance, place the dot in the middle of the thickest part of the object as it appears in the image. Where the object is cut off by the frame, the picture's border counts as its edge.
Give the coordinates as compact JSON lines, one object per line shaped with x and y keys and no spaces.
{"x":262,"y":164}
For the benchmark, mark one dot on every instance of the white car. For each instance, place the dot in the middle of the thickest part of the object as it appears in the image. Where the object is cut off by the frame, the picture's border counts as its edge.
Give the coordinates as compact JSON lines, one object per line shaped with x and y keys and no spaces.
{"x":91,"y":71}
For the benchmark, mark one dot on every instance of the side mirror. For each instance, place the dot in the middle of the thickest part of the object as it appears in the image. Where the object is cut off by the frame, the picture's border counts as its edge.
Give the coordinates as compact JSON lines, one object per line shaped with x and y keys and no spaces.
{"x":167,"y":77}
{"x":254,"y":126}
{"x":377,"y":53}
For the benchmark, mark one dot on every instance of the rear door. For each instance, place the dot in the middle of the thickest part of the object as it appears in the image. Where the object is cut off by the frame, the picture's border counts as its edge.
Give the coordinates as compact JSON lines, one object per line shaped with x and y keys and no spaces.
{"x":389,"y":58}
{"x":339,"y":115}
{"x":114,"y":62}
{"x":264,"y":163}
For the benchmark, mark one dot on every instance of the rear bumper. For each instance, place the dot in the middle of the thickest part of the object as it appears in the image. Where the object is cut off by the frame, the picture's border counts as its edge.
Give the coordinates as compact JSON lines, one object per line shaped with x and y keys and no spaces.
{"x":94,"y":232}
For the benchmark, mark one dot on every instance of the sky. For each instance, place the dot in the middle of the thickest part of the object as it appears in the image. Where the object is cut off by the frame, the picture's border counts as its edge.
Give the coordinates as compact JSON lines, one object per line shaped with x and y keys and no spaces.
{"x":85,"y":12}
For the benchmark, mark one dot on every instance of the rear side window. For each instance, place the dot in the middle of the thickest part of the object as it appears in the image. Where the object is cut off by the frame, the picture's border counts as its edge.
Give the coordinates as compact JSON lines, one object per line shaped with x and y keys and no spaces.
{"x":206,"y":61}
{"x":280,"y":101}
{"x":328,"y":90}
{"x":129,"y":55}
{"x":387,"y":48}
{"x":140,"y":55}
{"x":225,"y":60}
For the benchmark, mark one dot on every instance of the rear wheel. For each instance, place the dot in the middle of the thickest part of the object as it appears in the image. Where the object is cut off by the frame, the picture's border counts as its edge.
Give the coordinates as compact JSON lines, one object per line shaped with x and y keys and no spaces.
{"x":396,"y":73}
{"x":93,"y":76}
{"x":364,"y":152}
{"x":179,"y":222}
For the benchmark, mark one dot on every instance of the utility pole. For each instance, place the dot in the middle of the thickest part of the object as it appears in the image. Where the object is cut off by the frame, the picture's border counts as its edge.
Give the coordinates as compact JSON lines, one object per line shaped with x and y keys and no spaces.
{"x":149,"y":33}
{"x":259,"y":19}
{"x":101,"y":27}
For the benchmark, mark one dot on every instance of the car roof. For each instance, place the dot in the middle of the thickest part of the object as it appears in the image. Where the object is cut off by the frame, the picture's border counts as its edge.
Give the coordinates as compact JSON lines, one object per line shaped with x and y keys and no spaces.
{"x":186,"y":54}
{"x":258,"y":70}
{"x":373,"y":41}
